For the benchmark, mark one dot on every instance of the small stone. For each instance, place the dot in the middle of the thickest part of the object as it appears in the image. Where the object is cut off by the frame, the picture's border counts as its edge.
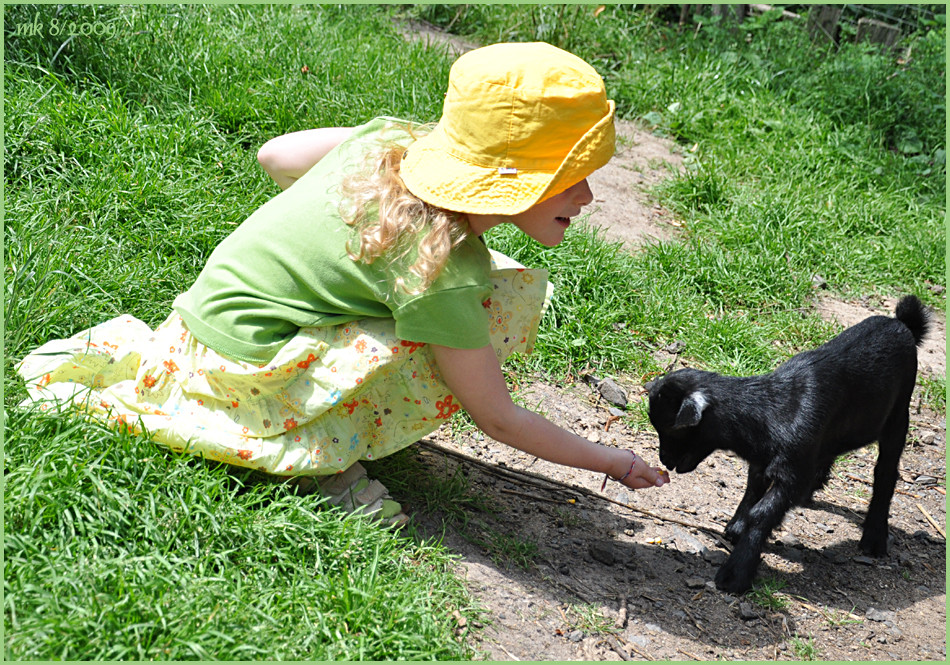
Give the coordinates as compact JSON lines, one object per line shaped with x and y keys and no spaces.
{"x":928,"y":438}
{"x":612,"y":392}
{"x":866,"y":560}
{"x":620,"y":495}
{"x":602,"y":553}
{"x":882,"y":616}
{"x":788,"y":540}
{"x":686,"y":543}
{"x":614,"y":411}
{"x":575,"y":636}
{"x":590,"y":379}
{"x":925,"y":480}
{"x":675,"y":347}
{"x":793,"y":555}
{"x":747,"y":612}
{"x":695,"y":582}
{"x":834,"y":557}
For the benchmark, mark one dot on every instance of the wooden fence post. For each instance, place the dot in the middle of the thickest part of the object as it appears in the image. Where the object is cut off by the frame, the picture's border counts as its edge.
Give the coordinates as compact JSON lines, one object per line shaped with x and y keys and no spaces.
{"x":732,"y":14}
{"x":684,"y":15}
{"x":823,"y":23}
{"x":877,"y":32}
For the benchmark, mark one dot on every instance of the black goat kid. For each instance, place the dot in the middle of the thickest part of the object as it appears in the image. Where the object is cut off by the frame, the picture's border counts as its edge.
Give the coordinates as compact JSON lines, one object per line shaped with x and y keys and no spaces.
{"x":791,"y":424}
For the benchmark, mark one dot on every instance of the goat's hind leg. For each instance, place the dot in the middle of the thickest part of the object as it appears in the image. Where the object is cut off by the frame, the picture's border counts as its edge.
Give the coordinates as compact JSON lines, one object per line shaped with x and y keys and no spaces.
{"x":890,"y":446}
{"x":755,"y":488}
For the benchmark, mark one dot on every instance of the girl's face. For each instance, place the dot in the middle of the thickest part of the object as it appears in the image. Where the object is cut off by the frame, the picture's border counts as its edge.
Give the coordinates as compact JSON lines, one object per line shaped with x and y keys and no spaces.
{"x":547,"y":221}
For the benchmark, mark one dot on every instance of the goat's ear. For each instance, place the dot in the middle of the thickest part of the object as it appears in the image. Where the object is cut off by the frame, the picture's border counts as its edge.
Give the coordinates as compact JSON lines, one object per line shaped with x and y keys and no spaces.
{"x":691,"y":410}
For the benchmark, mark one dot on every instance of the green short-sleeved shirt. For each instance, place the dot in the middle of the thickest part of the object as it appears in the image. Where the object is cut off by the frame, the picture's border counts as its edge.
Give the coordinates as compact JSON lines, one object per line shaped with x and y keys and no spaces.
{"x":286,"y":267}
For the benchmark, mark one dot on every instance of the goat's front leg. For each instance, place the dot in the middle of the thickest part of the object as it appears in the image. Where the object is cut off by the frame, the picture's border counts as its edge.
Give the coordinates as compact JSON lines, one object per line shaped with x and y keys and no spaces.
{"x":755,"y":488}
{"x":736,"y":575}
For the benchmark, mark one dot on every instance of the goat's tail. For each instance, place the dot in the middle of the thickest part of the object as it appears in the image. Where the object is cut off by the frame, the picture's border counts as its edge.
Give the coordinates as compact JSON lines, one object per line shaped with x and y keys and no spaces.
{"x":912,"y":313}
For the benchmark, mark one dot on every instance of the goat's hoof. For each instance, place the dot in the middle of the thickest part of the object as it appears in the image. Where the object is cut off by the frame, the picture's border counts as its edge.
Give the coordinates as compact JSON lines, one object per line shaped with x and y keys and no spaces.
{"x":732,"y":581}
{"x":874,"y":546}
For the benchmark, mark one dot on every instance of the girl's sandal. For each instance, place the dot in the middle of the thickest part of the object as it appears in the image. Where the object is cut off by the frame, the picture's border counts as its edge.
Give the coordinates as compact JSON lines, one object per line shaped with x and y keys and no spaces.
{"x":354,"y":492}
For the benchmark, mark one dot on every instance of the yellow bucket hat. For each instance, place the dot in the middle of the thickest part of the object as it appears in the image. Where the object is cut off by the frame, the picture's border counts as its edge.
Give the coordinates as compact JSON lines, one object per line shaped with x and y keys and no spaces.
{"x":520,"y":123}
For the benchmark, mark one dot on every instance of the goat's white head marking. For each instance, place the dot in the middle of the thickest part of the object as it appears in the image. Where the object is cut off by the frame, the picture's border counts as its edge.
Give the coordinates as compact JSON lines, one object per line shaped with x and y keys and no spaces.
{"x":691,"y":410}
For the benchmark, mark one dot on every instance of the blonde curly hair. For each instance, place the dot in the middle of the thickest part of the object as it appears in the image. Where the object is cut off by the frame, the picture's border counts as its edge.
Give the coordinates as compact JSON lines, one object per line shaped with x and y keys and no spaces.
{"x":391,"y":222}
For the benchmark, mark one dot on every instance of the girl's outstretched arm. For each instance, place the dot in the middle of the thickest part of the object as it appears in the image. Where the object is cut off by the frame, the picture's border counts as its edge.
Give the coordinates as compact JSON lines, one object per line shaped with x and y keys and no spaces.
{"x":475,"y":378}
{"x":287,"y":157}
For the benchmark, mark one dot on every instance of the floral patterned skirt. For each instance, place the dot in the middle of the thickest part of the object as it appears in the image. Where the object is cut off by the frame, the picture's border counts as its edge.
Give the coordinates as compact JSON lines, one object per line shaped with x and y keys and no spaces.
{"x":331,"y":396}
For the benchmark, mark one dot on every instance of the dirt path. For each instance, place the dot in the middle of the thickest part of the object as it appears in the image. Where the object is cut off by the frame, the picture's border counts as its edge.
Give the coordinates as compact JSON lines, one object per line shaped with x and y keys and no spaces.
{"x":634,"y":582}
{"x":615,"y":583}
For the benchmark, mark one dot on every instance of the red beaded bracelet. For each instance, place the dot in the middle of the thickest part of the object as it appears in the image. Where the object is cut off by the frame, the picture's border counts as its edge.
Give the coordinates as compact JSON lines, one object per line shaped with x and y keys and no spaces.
{"x":624,"y":476}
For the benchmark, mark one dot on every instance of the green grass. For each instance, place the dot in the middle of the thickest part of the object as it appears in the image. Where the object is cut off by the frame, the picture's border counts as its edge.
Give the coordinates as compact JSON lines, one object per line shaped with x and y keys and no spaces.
{"x":805,"y":648}
{"x":434,"y":490}
{"x":837,"y":618}
{"x":505,"y":549}
{"x":590,"y":619}
{"x":129,"y":158}
{"x":767,"y":593}
{"x":126,"y":162}
{"x":117,"y":550}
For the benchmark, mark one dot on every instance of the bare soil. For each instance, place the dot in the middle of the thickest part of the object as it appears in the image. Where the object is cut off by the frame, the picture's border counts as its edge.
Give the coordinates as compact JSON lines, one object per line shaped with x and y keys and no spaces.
{"x":622,"y":575}
{"x":634,"y":582}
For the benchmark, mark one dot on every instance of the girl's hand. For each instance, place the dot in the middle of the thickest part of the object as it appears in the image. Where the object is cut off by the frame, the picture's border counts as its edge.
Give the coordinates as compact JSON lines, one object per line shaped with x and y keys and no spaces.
{"x":630,"y":470}
{"x":644,"y":476}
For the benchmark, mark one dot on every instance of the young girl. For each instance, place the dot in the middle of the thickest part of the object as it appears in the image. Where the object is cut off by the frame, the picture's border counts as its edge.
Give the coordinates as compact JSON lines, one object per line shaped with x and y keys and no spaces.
{"x":360,"y":308}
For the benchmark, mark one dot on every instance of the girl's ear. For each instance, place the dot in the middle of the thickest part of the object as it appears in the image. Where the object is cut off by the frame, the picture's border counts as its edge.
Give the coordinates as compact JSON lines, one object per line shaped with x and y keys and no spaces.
{"x":691,"y":410}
